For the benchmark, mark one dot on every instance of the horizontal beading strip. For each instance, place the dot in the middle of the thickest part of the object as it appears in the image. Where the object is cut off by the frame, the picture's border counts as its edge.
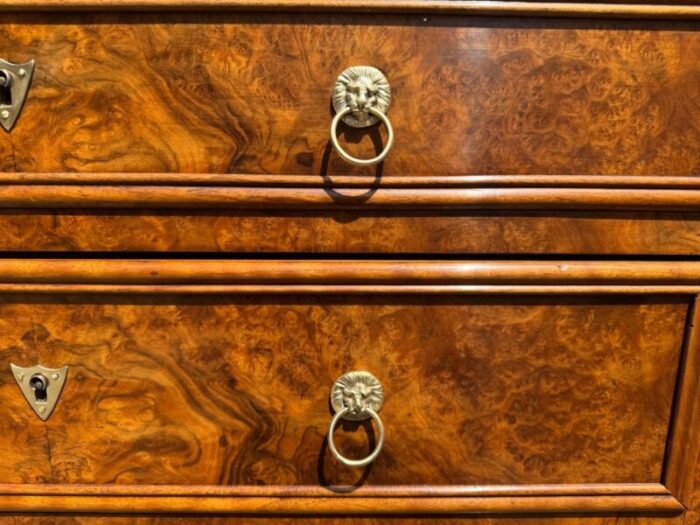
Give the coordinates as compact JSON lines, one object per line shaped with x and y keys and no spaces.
{"x":334,"y":505}
{"x":351,"y":181}
{"x":213,"y":197}
{"x":303,"y":289}
{"x":337,"y":272}
{"x":407,"y":491}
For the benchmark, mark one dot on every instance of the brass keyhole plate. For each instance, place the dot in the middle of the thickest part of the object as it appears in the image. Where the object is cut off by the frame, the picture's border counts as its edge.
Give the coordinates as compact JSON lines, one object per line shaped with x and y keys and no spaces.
{"x":43,"y":403}
{"x":20,"y":77}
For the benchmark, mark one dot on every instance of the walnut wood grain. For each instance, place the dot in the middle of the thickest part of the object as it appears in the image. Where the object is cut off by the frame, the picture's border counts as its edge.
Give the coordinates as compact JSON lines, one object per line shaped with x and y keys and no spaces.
{"x":349,"y":277}
{"x":351,"y":232}
{"x":178,"y":197}
{"x":405,"y":491}
{"x":18,"y":342}
{"x":234,"y":391}
{"x":339,"y":272}
{"x":83,"y":519}
{"x":682,"y":473}
{"x":125,"y":92}
{"x":552,"y":499}
{"x":343,"y":506}
{"x":684,"y":439}
{"x":608,"y":519}
{"x":348,"y":214}
{"x":351,"y":181}
{"x":571,"y":98}
{"x":372,"y":225}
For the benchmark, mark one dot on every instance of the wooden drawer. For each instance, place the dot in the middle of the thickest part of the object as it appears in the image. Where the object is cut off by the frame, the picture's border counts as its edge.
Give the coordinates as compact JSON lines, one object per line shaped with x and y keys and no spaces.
{"x":202,"y":386}
{"x":240,"y":92}
{"x":543,"y":215}
{"x":209,"y":132}
{"x":529,"y":390}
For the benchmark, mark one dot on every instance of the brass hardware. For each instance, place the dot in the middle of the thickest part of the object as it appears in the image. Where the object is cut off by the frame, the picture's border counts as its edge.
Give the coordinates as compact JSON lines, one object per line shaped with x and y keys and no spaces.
{"x":361,"y":98}
{"x":40,"y":386}
{"x":356,"y":396}
{"x":361,"y":88}
{"x":14,"y":85}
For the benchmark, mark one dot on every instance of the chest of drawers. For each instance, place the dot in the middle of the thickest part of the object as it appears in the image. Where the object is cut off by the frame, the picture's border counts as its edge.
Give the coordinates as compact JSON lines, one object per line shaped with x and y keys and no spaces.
{"x":211,"y":309}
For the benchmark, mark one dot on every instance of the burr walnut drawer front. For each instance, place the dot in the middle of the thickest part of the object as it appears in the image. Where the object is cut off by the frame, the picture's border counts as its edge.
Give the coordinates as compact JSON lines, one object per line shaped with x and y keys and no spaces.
{"x":211,"y":132}
{"x":251,"y":93}
{"x":197,"y":378}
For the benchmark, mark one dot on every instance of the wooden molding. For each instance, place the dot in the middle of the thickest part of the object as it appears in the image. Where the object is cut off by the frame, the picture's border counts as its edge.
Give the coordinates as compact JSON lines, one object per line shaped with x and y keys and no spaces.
{"x":345,"y":506}
{"x":437,"y":7}
{"x":572,"y":215}
{"x":318,"y":500}
{"x":234,"y":180}
{"x":414,"y":192}
{"x":375,"y":491}
{"x":347,"y":271}
{"x":356,"y":289}
{"x":333,"y":276}
{"x":684,"y":439}
{"x":170,"y":191}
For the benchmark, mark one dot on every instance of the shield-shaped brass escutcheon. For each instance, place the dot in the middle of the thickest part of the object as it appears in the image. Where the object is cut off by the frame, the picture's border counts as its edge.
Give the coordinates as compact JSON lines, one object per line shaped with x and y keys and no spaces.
{"x":40,"y":386}
{"x":14,"y":85}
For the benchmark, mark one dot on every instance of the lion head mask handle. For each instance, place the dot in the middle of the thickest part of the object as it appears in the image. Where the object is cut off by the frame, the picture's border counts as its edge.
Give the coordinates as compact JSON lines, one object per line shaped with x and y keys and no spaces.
{"x":361,"y":98}
{"x":356,"y":396}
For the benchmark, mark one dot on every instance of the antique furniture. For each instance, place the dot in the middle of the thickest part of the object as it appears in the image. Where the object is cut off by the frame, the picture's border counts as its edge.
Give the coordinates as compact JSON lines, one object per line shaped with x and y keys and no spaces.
{"x":463,"y":236}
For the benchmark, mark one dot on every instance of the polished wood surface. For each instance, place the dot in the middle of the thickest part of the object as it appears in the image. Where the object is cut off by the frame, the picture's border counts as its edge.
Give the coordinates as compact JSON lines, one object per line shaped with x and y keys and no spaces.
{"x":684,"y":439}
{"x":292,"y":500}
{"x":351,"y":232}
{"x":235,"y":390}
{"x":521,"y":214}
{"x":549,"y":379}
{"x":372,"y":198}
{"x":339,"y":272}
{"x":679,"y":9}
{"x":249,"y":93}
{"x":350,"y":181}
{"x":609,"y":519}
{"x":660,"y":505}
{"x":377,"y":491}
{"x":349,"y":277}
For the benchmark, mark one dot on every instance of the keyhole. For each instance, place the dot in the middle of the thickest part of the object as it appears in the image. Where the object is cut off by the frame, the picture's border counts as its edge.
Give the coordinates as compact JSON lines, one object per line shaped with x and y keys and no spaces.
{"x":5,"y":88}
{"x":39,"y":383}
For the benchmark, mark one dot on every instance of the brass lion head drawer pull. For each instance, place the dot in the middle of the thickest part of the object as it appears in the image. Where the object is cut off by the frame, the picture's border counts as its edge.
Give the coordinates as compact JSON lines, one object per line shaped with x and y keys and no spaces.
{"x":40,"y":386}
{"x":361,"y":98}
{"x":356,"y":396}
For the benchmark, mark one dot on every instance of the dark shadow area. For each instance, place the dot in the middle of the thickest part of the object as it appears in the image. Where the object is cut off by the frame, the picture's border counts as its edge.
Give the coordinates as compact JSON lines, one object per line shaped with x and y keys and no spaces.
{"x":393,"y":299}
{"x":324,"y":455}
{"x":354,"y":136}
{"x":293,"y":16}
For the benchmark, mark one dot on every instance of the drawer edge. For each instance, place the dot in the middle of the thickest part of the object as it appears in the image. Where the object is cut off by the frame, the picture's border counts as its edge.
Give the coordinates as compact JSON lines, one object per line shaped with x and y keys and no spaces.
{"x":347,"y":276}
{"x":437,"y":7}
{"x":334,"y":505}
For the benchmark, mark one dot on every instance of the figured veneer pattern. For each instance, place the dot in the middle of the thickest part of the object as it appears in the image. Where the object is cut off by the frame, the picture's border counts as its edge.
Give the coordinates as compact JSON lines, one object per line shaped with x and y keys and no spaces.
{"x":249,"y":93}
{"x":234,"y":390}
{"x":350,"y":232}
{"x":303,"y":214}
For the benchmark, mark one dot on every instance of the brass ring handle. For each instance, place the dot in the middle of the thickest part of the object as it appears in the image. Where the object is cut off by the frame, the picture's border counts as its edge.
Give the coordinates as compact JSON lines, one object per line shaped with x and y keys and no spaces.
{"x":356,"y":396}
{"x":356,"y":462}
{"x":354,"y":160}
